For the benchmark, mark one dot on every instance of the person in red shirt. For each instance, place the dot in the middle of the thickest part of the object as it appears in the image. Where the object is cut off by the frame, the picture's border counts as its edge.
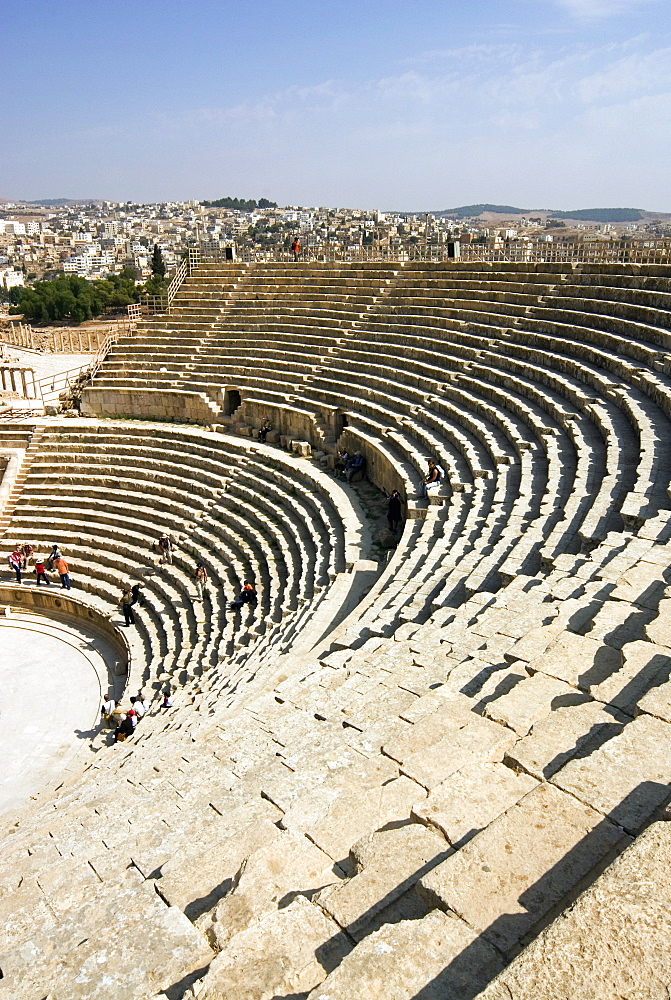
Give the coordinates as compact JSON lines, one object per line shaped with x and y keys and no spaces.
{"x":16,"y":562}
{"x":296,"y":248}
{"x":41,"y":574}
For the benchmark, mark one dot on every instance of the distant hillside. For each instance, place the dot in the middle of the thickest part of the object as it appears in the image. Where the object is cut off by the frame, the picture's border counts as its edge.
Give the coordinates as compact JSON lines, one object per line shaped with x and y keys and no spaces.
{"x":61,"y":202}
{"x":241,"y":204}
{"x":579,"y":214}
{"x":472,"y":211}
{"x":600,"y":215}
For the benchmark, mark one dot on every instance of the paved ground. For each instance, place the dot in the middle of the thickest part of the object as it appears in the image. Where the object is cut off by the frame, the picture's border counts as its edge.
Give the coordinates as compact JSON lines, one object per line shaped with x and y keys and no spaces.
{"x":46,"y":365}
{"x":51,"y":676}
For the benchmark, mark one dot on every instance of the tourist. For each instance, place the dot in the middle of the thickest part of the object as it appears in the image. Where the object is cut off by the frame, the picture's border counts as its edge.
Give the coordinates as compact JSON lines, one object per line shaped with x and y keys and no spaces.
{"x":165,"y":545}
{"x":341,"y":462}
{"x":432,"y":479}
{"x":247,"y":596}
{"x":167,"y":697}
{"x":124,"y":730}
{"x":356,"y":465}
{"x":127,"y":605}
{"x":296,"y":247}
{"x":133,"y":718}
{"x":27,"y":552}
{"x":138,"y":596}
{"x":107,"y":711}
{"x":16,"y":561}
{"x":40,"y":572}
{"x":138,"y":707}
{"x":263,"y":430}
{"x":63,"y":571}
{"x":394,"y":510}
{"x":201,"y":580}
{"x":53,"y":556}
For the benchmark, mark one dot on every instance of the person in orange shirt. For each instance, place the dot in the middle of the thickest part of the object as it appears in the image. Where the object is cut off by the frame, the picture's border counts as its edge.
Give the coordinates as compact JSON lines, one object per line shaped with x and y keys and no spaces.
{"x":63,"y":571}
{"x":296,"y":248}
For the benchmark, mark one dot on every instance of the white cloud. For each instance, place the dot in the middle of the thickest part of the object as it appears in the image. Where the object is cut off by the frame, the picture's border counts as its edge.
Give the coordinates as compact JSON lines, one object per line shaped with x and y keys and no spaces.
{"x":592,"y":10}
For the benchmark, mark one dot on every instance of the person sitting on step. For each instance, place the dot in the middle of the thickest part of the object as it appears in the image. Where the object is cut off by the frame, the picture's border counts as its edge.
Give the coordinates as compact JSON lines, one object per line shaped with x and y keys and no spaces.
{"x":263,"y":430}
{"x":247,"y":596}
{"x":355,"y":466}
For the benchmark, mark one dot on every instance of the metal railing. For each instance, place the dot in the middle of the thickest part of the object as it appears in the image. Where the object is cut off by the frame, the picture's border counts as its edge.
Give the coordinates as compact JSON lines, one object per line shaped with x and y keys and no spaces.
{"x":152,"y":305}
{"x":617,"y":251}
{"x":51,"y":387}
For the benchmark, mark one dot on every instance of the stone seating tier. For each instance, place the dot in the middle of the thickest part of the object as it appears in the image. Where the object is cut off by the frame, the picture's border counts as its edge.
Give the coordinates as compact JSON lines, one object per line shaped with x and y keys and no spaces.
{"x":435,"y":787}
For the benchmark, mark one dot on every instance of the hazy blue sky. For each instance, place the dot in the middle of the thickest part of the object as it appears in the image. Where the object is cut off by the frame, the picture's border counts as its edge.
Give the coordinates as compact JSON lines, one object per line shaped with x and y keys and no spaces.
{"x":409,"y":104}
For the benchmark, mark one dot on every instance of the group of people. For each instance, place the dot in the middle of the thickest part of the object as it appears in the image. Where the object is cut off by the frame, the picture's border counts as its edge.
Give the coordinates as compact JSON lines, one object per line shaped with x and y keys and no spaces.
{"x":24,"y":553}
{"x":348,"y":466}
{"x":124,"y":721}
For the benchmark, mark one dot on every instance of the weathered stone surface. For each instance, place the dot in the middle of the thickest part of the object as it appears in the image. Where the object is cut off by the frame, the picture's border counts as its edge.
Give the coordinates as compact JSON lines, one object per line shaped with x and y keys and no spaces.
{"x":437,"y":958}
{"x":349,"y":814}
{"x":627,"y":778}
{"x":578,"y":659}
{"x":23,"y":913}
{"x":470,"y":799}
{"x":644,"y":583}
{"x":645,"y":665}
{"x":391,"y":862}
{"x":613,"y":942}
{"x":289,"y":865}
{"x":284,"y":953}
{"x":438,"y":745}
{"x":659,"y":630}
{"x":507,"y":878}
{"x":124,"y":943}
{"x":195,"y":879}
{"x":657,"y":702}
{"x":343,"y":769}
{"x":534,"y":643}
{"x":566,"y":733}
{"x":530,"y":700}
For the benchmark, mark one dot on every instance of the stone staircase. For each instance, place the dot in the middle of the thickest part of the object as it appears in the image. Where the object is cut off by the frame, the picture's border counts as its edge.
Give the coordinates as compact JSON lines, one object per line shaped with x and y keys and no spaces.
{"x":460,"y":789}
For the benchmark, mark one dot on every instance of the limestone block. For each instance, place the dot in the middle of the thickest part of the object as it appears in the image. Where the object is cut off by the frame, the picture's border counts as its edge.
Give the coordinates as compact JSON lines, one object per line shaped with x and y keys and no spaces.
{"x":613,"y":941}
{"x":198,"y":875}
{"x":436,"y":958}
{"x":618,"y":622}
{"x":659,"y":630}
{"x":269,"y":878}
{"x":440,"y":744}
{"x":507,"y":878}
{"x":318,"y":775}
{"x":470,"y":799}
{"x":533,"y":644}
{"x":287,"y":952}
{"x":568,"y":732}
{"x":390,"y":863}
{"x":578,"y":659}
{"x":645,"y":665}
{"x":657,"y":702}
{"x":530,"y":700}
{"x":627,"y":778}
{"x":62,"y":882}
{"x":89,"y":952}
{"x":642,"y":584}
{"x":351,"y":813}
{"x":23,"y":913}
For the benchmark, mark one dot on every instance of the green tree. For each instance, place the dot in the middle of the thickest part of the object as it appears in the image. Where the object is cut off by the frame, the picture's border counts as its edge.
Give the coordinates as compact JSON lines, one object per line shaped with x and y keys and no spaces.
{"x":74,"y":298}
{"x":156,"y":285}
{"x":157,"y":263}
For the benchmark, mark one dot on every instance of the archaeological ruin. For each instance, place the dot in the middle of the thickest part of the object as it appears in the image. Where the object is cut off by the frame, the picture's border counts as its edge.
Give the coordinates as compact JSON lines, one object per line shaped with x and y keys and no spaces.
{"x":430,"y":764}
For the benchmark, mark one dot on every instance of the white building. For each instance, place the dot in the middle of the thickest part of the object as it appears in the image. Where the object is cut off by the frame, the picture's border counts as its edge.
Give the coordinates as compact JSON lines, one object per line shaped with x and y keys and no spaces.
{"x":9,"y":278}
